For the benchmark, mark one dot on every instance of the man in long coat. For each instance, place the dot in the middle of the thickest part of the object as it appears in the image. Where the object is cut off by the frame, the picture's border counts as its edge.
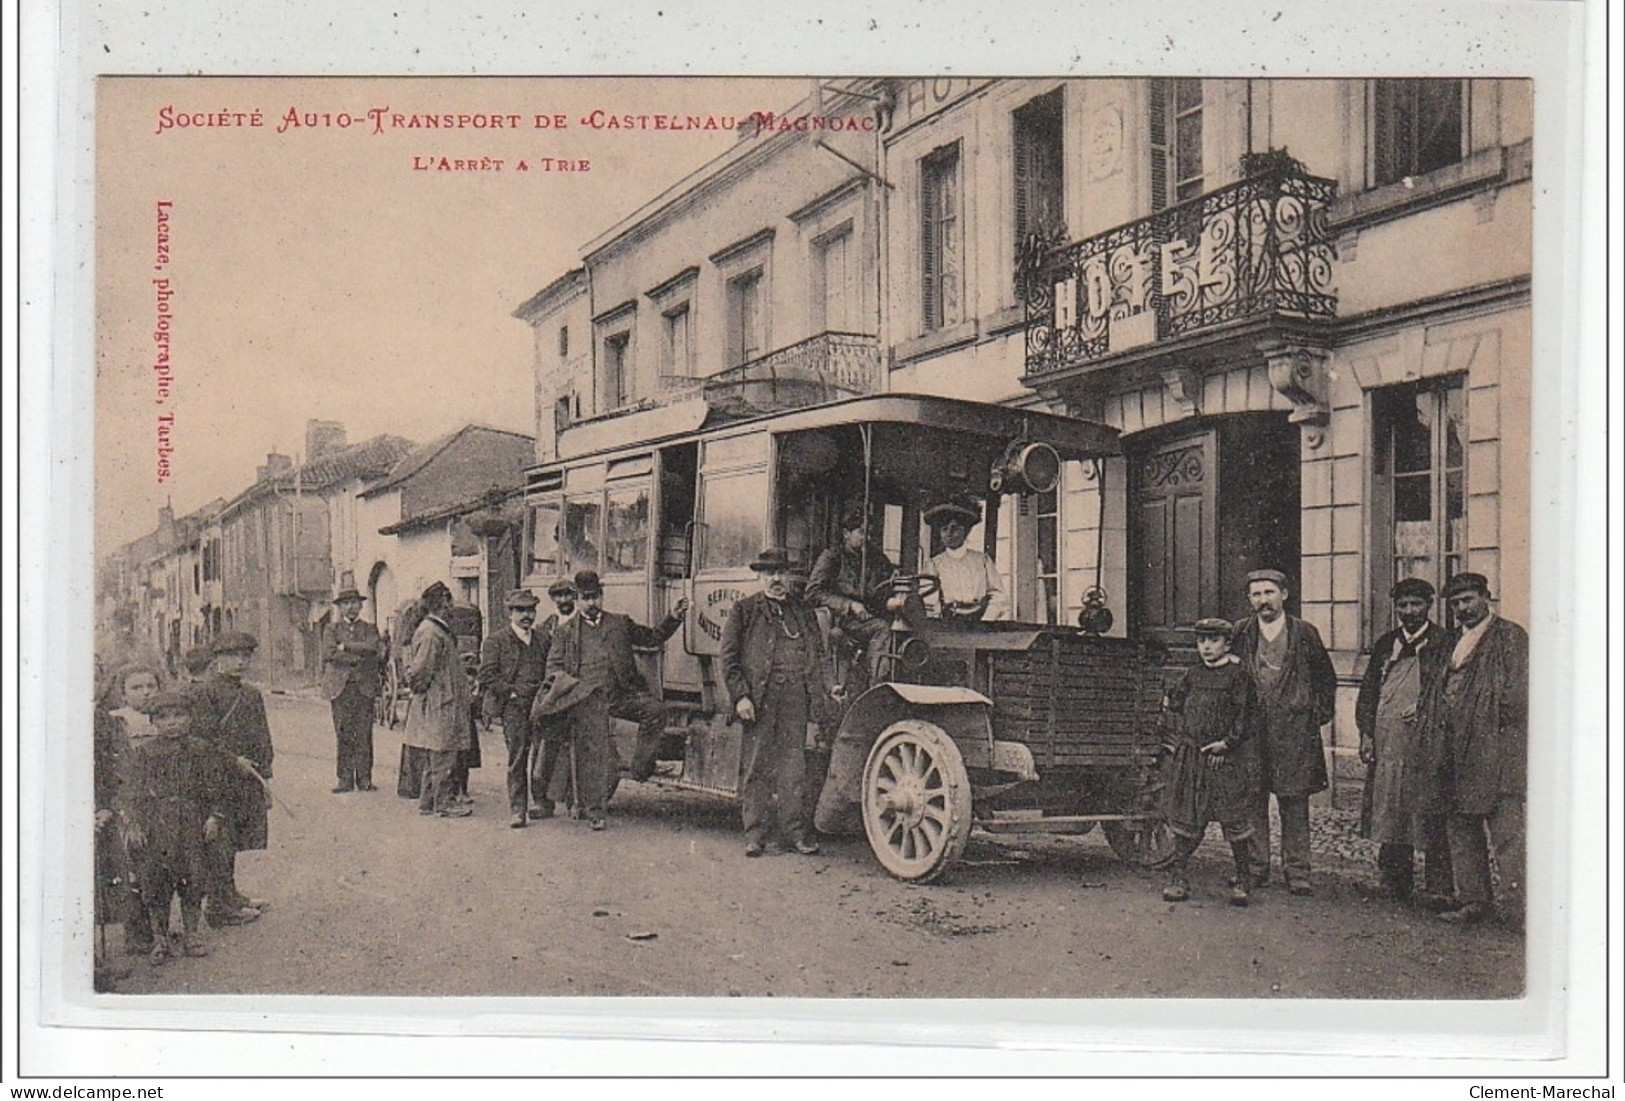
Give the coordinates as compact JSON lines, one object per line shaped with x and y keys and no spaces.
{"x":598,"y":648}
{"x":438,"y":717}
{"x":1297,"y":695}
{"x":1403,"y":662}
{"x":774,"y":668}
{"x":1474,"y":724}
{"x":513,"y":661}
{"x":230,"y":715}
{"x":352,"y":674}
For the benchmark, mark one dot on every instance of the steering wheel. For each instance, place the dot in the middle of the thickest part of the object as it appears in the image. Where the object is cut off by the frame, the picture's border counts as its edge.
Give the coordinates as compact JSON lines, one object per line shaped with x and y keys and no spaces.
{"x":919,"y":584}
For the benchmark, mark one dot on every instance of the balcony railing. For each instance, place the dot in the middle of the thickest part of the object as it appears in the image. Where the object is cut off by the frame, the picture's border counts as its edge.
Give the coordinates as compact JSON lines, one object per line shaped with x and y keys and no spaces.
{"x":1256,"y":249}
{"x":823,"y":368}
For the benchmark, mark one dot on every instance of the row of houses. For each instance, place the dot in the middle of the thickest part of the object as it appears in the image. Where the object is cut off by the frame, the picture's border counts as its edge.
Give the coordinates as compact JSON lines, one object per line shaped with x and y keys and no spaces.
{"x":1304,"y":304}
{"x":386,"y":516}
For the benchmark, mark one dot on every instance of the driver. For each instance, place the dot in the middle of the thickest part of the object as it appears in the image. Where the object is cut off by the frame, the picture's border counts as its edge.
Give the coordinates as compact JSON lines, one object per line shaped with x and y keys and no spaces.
{"x":844,"y":575}
{"x":968,"y":582}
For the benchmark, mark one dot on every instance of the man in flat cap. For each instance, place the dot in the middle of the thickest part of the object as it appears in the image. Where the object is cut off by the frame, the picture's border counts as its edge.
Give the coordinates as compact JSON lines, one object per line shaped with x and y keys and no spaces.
{"x":1297,"y":694}
{"x":843,"y":580}
{"x":968,"y":582}
{"x":513,"y":661}
{"x":230,"y":715}
{"x":599,"y":648}
{"x":1474,"y":727}
{"x":438,"y":717}
{"x":1402,"y":662}
{"x":773,"y":666}
{"x":352,"y":675}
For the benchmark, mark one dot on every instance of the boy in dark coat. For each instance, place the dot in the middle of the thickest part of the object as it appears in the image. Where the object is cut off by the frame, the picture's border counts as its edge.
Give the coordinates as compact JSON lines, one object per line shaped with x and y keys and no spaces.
{"x":1211,"y":767}
{"x":171,"y":807}
{"x":230,"y":715}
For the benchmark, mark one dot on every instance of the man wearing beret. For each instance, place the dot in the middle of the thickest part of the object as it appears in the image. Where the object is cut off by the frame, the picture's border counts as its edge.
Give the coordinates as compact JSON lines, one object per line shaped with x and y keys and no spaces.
{"x":1297,"y":694}
{"x":1474,"y":726}
{"x":512,"y":663}
{"x":599,"y":648}
{"x":230,"y":715}
{"x":1402,"y":662}
{"x":774,"y":668}
{"x":352,"y":674}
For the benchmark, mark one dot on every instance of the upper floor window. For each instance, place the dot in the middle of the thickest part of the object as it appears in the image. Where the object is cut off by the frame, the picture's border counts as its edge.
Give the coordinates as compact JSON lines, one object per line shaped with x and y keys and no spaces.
{"x":745,"y":328}
{"x":1416,"y":127}
{"x":941,"y":239}
{"x":677,"y":344}
{"x":1037,"y":149}
{"x":617,"y":368}
{"x":834,"y":291}
{"x":1176,"y":141}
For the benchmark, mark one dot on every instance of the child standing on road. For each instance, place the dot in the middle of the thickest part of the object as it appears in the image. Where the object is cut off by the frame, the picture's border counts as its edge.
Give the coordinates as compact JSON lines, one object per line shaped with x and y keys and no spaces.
{"x":1211,"y":766}
{"x":171,"y":805}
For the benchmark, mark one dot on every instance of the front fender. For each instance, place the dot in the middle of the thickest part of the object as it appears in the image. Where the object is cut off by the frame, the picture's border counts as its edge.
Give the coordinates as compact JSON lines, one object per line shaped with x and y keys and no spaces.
{"x":964,"y":715}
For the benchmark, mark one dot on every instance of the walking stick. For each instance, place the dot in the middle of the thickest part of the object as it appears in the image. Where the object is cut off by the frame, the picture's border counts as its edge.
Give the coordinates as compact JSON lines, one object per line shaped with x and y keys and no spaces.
{"x":266,"y":785}
{"x":575,"y":787}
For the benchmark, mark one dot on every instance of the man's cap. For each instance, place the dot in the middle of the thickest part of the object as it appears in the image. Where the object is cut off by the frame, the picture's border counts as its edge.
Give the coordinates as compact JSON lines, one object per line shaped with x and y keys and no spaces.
{"x":562,"y":587}
{"x":436,"y":591}
{"x":1213,"y":625}
{"x":953,"y":510}
{"x":1411,"y":586}
{"x":588,"y":583}
{"x":348,"y":594}
{"x":1467,"y":583}
{"x":196,"y":659}
{"x":168,"y":701}
{"x":235,"y":642}
{"x":854,"y":517}
{"x":125,"y":672}
{"x":774,"y":560}
{"x":1276,"y":576}
{"x":520,"y":598}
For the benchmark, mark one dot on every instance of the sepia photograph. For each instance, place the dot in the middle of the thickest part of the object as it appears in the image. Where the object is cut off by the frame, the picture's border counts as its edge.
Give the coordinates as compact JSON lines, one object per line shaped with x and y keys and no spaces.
{"x":581,"y":541}
{"x":832,"y":537}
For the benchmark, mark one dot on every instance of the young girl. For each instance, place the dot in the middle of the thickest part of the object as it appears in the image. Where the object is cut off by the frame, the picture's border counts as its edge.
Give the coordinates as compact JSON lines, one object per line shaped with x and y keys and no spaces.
{"x":1212,"y":767}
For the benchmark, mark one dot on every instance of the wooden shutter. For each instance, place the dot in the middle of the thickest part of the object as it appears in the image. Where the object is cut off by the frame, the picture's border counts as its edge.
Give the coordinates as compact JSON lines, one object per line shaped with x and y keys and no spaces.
{"x":1161,"y":144}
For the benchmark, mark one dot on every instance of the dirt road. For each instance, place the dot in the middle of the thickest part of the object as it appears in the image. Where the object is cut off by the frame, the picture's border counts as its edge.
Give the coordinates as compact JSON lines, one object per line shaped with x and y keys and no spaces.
{"x":369,"y":898}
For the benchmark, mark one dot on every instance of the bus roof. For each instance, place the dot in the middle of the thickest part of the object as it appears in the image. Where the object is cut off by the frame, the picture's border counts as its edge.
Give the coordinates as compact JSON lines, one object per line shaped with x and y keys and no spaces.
{"x":693,"y":420}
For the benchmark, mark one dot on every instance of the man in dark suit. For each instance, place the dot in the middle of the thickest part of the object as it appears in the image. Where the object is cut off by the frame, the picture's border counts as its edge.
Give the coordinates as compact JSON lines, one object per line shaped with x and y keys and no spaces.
{"x":513,"y":661}
{"x":1474,"y":726}
{"x":352,"y":674}
{"x":773,"y":665}
{"x":1297,"y":695}
{"x":598,"y":648}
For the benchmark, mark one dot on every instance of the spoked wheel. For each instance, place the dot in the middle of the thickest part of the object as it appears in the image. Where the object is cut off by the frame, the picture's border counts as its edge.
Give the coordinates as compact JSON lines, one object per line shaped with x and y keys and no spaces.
{"x":1144,"y":842}
{"x":916,"y":801}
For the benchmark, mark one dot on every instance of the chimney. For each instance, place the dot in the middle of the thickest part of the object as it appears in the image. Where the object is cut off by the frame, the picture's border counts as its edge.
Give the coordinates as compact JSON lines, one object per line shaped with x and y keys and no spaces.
{"x":275,"y":464}
{"x":323,"y":438}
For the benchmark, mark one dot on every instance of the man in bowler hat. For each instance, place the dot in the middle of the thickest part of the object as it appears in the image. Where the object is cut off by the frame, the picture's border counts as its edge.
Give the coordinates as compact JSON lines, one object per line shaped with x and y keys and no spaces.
{"x":352,"y":675}
{"x":774,"y":668}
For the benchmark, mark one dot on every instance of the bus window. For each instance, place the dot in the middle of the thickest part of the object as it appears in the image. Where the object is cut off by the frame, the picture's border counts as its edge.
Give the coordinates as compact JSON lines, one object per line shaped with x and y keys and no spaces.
{"x":626,"y":530}
{"x":581,"y":522}
{"x":734,"y":505}
{"x":544,"y":559}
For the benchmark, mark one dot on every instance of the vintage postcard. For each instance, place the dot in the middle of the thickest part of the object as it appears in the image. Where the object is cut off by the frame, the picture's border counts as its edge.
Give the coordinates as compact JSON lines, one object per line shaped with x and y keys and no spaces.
{"x":1059,"y":540}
